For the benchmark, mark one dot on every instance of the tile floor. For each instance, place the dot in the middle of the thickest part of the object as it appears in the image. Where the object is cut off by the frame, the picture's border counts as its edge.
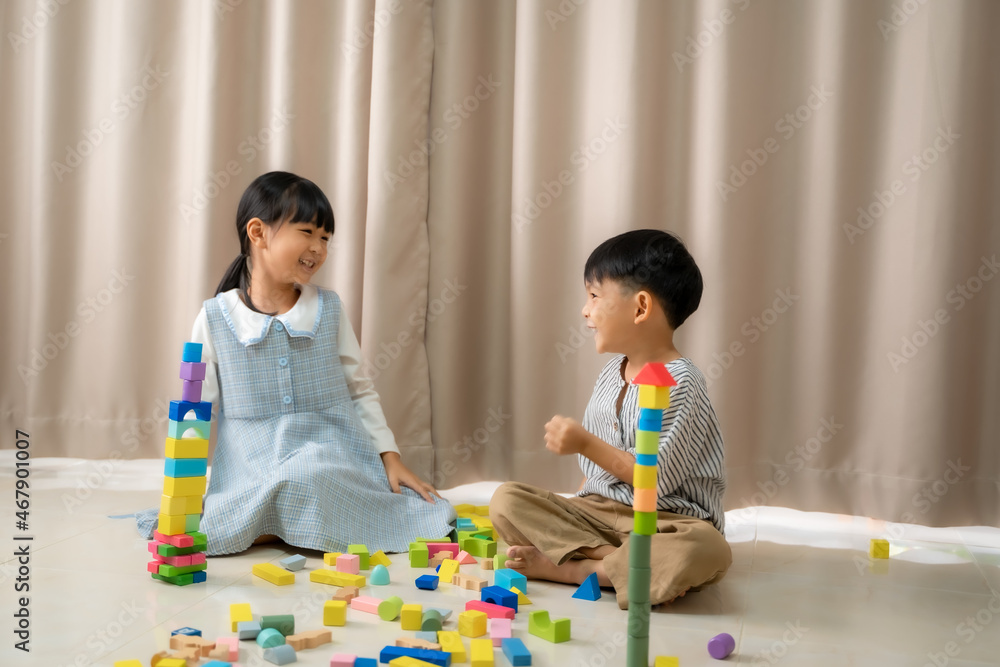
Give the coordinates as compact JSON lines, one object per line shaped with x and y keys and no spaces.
{"x":801,"y":591}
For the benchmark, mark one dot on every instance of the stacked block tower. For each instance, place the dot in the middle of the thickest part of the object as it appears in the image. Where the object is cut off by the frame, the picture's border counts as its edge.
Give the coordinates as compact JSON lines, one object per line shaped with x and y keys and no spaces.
{"x":178,"y":548}
{"x":654,"y":382}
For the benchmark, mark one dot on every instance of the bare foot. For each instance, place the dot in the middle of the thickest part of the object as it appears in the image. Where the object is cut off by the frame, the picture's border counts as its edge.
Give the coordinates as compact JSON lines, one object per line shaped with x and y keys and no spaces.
{"x":533,"y":564}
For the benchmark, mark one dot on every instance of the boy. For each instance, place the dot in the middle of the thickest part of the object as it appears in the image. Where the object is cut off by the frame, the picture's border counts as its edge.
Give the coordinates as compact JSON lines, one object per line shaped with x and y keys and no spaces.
{"x":641,"y":286}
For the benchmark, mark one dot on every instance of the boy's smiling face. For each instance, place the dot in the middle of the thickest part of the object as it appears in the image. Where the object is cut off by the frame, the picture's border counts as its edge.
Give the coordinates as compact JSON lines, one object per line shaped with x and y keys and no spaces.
{"x":610,"y":312}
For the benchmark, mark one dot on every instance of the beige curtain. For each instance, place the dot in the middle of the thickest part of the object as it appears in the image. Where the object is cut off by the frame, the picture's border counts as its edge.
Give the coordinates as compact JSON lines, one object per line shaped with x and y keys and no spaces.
{"x":833,"y":167}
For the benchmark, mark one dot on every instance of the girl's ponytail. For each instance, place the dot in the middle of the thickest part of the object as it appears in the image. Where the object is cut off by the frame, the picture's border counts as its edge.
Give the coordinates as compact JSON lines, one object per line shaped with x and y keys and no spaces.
{"x":237,"y":275}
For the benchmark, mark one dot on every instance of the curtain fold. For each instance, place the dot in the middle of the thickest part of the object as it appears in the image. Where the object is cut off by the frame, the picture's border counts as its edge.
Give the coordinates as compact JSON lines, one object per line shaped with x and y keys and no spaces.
{"x":832,"y":165}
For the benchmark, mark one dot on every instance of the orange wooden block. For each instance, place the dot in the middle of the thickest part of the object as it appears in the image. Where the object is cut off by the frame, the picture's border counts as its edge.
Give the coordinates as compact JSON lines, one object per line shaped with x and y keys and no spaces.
{"x":644,"y":500}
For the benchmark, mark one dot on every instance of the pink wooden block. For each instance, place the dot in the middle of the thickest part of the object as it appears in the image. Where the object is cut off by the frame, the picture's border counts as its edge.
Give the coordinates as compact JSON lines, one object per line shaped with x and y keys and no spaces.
{"x":233,"y":644}
{"x":342,"y":660}
{"x":491,"y":610}
{"x":198,"y":558}
{"x":499,"y":630}
{"x":435,"y":547}
{"x":153,"y":566}
{"x":465,"y":558}
{"x":349,"y":563}
{"x":368,"y":604}
{"x":159,"y":559}
{"x":191,"y":391}
{"x":183,"y":541}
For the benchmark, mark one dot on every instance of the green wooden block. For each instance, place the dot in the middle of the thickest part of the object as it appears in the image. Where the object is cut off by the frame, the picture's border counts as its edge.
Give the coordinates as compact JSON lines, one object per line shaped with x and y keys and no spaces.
{"x":638,"y":585}
{"x":389,"y":609}
{"x":361,"y":551}
{"x":200,"y":539}
{"x":192,"y":522}
{"x":500,"y":562}
{"x":637,"y":652}
{"x":171,"y":550}
{"x":283,"y":623}
{"x":435,"y":539}
{"x":181,"y":580}
{"x":639,"y":550}
{"x":173,"y":571}
{"x":647,"y":442}
{"x":638,"y":619}
{"x":418,"y":554}
{"x":430,"y":621}
{"x":480,"y":548}
{"x":645,"y":523}
{"x":553,"y":631}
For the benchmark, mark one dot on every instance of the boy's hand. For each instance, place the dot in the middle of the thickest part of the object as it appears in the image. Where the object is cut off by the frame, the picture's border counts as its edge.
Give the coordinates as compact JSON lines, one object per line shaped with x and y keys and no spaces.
{"x":565,"y":436}
{"x":399,"y":475}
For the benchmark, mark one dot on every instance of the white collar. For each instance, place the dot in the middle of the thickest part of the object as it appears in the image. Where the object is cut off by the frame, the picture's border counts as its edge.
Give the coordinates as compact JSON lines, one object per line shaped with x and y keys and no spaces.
{"x":251,"y":327}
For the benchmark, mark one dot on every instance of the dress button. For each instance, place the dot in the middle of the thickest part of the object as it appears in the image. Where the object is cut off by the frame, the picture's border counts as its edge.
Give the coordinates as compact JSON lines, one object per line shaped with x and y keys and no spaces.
{"x":287,"y":399}
{"x":277,"y":326}
{"x":283,"y":361}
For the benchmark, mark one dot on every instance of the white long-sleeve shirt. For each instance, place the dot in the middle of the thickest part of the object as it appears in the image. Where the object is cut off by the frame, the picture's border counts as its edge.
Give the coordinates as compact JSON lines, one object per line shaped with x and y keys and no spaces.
{"x":302,"y":317}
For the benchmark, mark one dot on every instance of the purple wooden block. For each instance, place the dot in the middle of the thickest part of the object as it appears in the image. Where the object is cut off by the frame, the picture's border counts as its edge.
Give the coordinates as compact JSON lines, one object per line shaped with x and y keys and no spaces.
{"x":192,"y":370}
{"x":721,"y":645}
{"x":191,"y":391}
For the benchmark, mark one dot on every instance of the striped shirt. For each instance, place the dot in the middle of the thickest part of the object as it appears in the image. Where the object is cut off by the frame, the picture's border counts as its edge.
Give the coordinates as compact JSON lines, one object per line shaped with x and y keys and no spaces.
{"x":692,"y":475}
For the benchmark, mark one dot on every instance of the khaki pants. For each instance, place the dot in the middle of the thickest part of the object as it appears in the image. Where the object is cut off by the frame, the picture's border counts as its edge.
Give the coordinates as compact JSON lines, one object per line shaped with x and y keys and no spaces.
{"x":685,"y":553}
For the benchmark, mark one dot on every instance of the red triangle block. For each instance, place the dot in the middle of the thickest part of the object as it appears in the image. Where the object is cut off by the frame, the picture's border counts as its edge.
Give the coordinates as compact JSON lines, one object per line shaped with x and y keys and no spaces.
{"x":656,"y":375}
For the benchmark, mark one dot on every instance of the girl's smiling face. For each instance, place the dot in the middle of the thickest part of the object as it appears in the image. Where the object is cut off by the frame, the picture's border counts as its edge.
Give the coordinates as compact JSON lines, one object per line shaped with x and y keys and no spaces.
{"x":294,"y":252}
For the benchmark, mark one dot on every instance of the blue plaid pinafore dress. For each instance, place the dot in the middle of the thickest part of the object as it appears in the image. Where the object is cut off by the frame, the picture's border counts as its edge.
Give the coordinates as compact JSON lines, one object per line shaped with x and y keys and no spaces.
{"x":293,"y":457}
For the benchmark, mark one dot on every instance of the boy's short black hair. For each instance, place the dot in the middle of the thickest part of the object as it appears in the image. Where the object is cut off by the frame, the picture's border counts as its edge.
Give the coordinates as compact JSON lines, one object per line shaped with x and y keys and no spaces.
{"x":653,"y":260}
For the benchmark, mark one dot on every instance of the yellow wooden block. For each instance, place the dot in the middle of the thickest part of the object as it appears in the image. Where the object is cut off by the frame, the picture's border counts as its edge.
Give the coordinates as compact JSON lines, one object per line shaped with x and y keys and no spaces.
{"x":522,"y":599}
{"x":657,"y":398}
{"x":644,"y":500}
{"x":410,"y":616}
{"x":335,"y":612}
{"x":666,"y":661}
{"x":378,"y":558}
{"x":451,"y":642}
{"x":482,"y":652}
{"x":271,"y":572}
{"x":180,"y":505}
{"x":464,"y":509}
{"x":172,"y":662}
{"x":878,"y":549}
{"x":238,"y":613}
{"x":330,"y":559}
{"x":449,"y":566}
{"x":334,"y":578}
{"x":129,"y":663}
{"x":187,"y":448}
{"x":408,"y":661}
{"x":472,"y":623}
{"x":184,"y":486}
{"x":483,"y":510}
{"x":172,"y":524}
{"x":644,"y":477}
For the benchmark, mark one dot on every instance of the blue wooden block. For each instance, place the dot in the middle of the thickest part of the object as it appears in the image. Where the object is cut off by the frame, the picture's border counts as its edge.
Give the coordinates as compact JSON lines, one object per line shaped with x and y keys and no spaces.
{"x":248,"y":629}
{"x":193,"y":370}
{"x":190,"y":632}
{"x":500,"y":596}
{"x":217,"y":663}
{"x":176,"y":429}
{"x":509,"y":579}
{"x":192,"y":352}
{"x":428,"y":636}
{"x":202,"y":409}
{"x":646,"y":459}
{"x":365,"y":662}
{"x":462,"y":523}
{"x":185,"y":467}
{"x":516,"y":652}
{"x":440,"y":658}
{"x":198,"y":577}
{"x":280,"y":655}
{"x":445,"y":614}
{"x":427,"y":582}
{"x":293,"y":563}
{"x":650,"y":419}
{"x":589,"y":589}
{"x":379,"y":576}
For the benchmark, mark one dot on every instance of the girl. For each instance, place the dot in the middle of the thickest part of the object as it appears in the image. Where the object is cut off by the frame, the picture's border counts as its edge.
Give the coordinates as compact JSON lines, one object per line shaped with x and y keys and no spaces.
{"x":304,"y":453}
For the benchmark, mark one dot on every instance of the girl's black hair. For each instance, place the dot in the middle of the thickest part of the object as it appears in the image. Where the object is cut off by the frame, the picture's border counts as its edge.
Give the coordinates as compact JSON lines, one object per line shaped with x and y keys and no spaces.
{"x":653,"y":260}
{"x":276,"y":197}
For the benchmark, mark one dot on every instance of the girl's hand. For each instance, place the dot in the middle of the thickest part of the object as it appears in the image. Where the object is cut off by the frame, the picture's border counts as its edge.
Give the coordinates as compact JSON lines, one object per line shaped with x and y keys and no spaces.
{"x":565,"y":436}
{"x":399,"y":475}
